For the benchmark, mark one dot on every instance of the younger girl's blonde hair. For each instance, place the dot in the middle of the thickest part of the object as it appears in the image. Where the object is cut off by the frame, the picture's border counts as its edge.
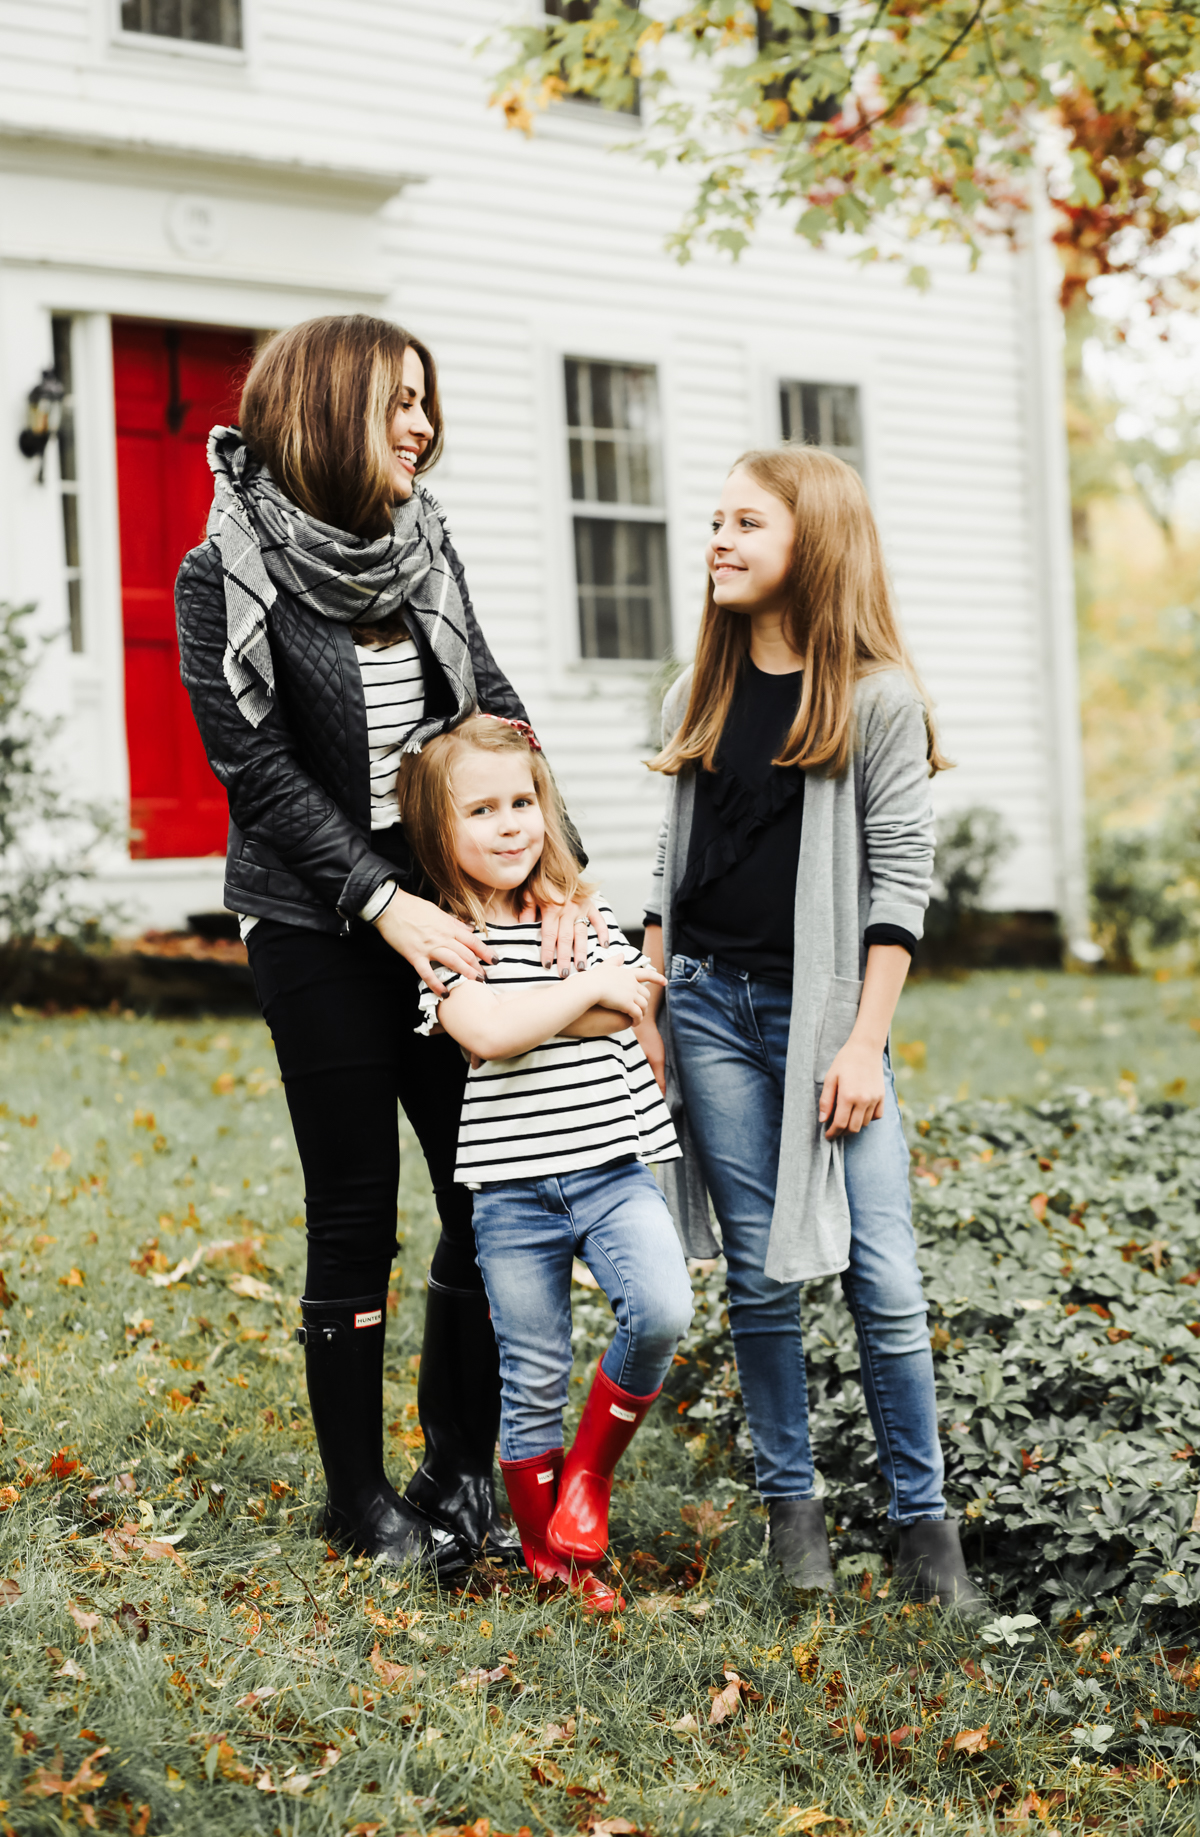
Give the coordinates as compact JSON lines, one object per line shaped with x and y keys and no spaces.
{"x":425,"y":789}
{"x":841,"y":618}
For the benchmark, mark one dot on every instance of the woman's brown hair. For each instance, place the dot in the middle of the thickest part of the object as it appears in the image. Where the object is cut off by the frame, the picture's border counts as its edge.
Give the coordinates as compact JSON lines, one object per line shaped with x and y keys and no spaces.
{"x":317,"y":409}
{"x":841,"y":619}
{"x":425,"y":790}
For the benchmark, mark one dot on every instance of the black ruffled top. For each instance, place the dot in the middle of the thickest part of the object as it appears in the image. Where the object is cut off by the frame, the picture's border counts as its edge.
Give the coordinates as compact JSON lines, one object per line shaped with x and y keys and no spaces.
{"x":737,"y":898}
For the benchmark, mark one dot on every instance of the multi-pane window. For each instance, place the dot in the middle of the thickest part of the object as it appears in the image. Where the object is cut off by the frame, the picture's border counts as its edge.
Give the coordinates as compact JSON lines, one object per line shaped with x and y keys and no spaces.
{"x":201,"y":22}
{"x":825,"y":415}
{"x":615,"y":448}
{"x":577,"y":12}
{"x":68,"y":472}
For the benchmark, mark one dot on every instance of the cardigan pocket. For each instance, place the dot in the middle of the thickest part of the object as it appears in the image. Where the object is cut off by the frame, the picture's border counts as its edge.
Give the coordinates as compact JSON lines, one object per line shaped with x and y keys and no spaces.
{"x":837,"y":1022}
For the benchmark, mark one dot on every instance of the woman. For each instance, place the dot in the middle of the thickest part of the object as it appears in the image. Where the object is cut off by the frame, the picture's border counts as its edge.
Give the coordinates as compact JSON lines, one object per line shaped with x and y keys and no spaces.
{"x":324,"y":628}
{"x":793,"y":877}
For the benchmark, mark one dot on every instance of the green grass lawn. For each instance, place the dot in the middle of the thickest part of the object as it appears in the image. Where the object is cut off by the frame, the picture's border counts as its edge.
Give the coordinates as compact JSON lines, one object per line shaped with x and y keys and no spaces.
{"x":1002,"y":1033}
{"x":181,"y":1655}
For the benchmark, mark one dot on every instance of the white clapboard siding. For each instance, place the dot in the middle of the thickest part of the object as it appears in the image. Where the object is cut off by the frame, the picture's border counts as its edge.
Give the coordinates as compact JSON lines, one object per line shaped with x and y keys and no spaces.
{"x":512,"y":251}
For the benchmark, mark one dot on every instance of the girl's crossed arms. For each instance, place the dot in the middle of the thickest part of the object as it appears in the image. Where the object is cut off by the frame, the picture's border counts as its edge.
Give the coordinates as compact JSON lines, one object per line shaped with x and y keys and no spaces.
{"x":560,"y":1116}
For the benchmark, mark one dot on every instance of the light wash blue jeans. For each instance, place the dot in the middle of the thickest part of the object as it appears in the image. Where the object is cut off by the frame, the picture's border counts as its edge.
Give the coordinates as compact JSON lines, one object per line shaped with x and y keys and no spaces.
{"x":730,"y":1035}
{"x":527,"y":1232}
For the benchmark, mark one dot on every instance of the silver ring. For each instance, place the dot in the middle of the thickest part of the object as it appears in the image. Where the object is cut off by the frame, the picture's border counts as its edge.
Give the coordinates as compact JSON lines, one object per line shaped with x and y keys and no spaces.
{"x":580,"y":922}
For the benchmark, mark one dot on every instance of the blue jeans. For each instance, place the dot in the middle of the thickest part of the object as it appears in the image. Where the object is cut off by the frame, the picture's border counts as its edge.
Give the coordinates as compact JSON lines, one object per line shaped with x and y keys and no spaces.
{"x":730,"y":1036}
{"x":527,"y":1232}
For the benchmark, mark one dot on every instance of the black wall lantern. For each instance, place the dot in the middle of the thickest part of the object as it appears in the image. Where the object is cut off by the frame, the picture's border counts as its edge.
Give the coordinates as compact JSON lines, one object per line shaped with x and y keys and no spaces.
{"x":43,"y":416}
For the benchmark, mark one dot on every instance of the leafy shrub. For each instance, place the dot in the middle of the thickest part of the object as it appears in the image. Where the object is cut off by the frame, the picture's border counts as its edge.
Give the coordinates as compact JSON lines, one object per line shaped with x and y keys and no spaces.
{"x":1143,"y":898}
{"x":1060,"y":1246}
{"x":47,"y":840}
{"x":971,"y":845}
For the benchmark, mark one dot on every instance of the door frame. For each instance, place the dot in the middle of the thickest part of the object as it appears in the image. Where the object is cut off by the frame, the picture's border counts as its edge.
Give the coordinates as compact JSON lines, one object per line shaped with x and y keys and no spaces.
{"x":86,"y":690}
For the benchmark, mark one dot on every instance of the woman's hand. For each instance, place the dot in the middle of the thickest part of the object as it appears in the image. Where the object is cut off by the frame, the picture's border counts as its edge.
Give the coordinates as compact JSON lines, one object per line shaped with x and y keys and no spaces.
{"x":423,"y":934}
{"x":565,"y":933}
{"x":852,"y":1094}
{"x":651,"y":1042}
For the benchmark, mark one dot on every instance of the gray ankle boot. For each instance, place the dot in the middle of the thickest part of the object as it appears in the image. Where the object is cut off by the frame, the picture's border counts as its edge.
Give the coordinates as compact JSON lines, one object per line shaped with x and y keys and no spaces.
{"x":929,"y":1561}
{"x":797,"y":1540}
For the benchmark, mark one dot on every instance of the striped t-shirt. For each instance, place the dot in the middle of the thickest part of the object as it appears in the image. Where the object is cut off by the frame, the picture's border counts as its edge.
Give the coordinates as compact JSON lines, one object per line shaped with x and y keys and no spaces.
{"x":394,"y":688}
{"x":567,"y":1105}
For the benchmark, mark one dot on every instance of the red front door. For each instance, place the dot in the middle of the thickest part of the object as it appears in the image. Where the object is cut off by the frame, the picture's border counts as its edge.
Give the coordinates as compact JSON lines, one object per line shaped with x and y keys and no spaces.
{"x":172,"y":384}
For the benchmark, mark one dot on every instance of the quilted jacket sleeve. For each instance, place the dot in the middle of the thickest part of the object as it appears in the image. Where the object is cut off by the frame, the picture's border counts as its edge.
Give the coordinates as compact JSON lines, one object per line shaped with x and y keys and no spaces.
{"x":272,"y":798}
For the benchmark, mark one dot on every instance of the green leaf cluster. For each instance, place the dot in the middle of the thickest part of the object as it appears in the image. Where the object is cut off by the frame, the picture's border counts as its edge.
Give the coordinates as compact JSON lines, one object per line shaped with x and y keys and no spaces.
{"x":1060,"y":1246}
{"x":47,"y":838}
{"x":865,"y":120}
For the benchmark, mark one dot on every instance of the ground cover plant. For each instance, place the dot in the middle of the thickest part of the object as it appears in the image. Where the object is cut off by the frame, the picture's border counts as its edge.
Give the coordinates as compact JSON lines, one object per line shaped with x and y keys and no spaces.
{"x":180,"y":1654}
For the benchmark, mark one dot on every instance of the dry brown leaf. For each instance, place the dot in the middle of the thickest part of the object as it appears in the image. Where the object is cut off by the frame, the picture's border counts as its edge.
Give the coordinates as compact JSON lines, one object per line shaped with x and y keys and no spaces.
{"x":797,"y":1819}
{"x":10,"y":1592}
{"x":554,"y":1731}
{"x":251,"y":1288}
{"x":153,"y":1548}
{"x":686,"y":1725}
{"x":131,"y":1621}
{"x":481,"y":1675}
{"x":48,"y":1782}
{"x":707,"y":1520}
{"x":725,"y":1702}
{"x":390,"y":1674}
{"x":87,"y":1623}
{"x":612,"y":1827}
{"x":69,"y":1669}
{"x":547,"y":1772}
{"x":230,"y":1767}
{"x":967,"y":1741}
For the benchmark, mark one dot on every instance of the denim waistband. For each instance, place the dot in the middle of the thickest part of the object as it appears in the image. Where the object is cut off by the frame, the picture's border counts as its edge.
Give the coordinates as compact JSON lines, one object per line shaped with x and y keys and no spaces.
{"x":720,"y":966}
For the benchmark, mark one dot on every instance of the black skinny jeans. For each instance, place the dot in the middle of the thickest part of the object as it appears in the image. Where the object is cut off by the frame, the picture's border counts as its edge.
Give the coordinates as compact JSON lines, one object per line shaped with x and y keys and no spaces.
{"x":342,"y":1010}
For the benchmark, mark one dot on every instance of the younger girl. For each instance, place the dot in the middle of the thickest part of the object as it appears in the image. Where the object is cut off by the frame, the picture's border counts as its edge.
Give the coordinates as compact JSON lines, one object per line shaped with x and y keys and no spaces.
{"x":793,"y":877}
{"x":560,"y":1116}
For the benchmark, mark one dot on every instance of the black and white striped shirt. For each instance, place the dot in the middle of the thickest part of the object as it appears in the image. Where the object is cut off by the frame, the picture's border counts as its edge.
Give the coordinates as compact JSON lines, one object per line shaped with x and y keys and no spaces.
{"x":394,"y":688}
{"x":569,"y":1104}
{"x":395,"y":693}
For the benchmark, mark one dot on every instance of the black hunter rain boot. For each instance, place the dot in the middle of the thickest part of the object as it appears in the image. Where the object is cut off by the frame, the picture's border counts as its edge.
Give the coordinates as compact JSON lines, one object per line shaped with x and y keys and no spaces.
{"x":799,"y":1543}
{"x":929,"y":1561}
{"x":458,"y":1398}
{"x":343,"y":1361}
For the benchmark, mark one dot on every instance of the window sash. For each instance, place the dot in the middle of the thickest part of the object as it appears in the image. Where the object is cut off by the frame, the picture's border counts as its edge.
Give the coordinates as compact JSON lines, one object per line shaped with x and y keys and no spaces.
{"x":621,"y":582}
{"x":62,"y":330}
{"x":825,"y":415}
{"x":613,"y":433}
{"x":198,"y":22}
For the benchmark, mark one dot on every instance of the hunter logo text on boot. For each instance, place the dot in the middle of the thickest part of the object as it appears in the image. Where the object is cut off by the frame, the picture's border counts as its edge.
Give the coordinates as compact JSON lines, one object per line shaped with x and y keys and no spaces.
{"x":371,"y":1318}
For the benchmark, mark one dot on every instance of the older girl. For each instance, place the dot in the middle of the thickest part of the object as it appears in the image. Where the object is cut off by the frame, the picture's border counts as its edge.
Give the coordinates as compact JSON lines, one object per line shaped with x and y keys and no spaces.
{"x":560,"y":1116}
{"x":793,"y":876}
{"x":324,"y":625}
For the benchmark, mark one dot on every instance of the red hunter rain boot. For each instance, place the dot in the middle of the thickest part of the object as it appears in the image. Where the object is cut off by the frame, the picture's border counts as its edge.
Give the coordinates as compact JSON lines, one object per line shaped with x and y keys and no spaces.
{"x":578,"y":1530}
{"x":532,"y":1487}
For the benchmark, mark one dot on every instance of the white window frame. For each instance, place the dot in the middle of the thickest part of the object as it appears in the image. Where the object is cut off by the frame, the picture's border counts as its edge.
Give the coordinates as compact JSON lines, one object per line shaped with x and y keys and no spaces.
{"x":153,"y":44}
{"x":600,"y":343}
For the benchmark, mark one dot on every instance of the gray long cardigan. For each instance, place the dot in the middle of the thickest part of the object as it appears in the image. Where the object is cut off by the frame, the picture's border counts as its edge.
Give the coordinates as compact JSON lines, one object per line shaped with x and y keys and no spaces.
{"x":866,"y":858}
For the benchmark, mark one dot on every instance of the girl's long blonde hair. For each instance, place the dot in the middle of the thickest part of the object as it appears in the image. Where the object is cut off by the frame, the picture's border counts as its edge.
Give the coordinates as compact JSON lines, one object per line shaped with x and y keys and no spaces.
{"x":425,"y":790}
{"x":841,"y":619}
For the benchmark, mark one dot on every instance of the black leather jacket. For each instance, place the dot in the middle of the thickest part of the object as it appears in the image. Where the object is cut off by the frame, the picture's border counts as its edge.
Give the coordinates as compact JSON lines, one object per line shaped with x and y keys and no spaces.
{"x":300,"y":843}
